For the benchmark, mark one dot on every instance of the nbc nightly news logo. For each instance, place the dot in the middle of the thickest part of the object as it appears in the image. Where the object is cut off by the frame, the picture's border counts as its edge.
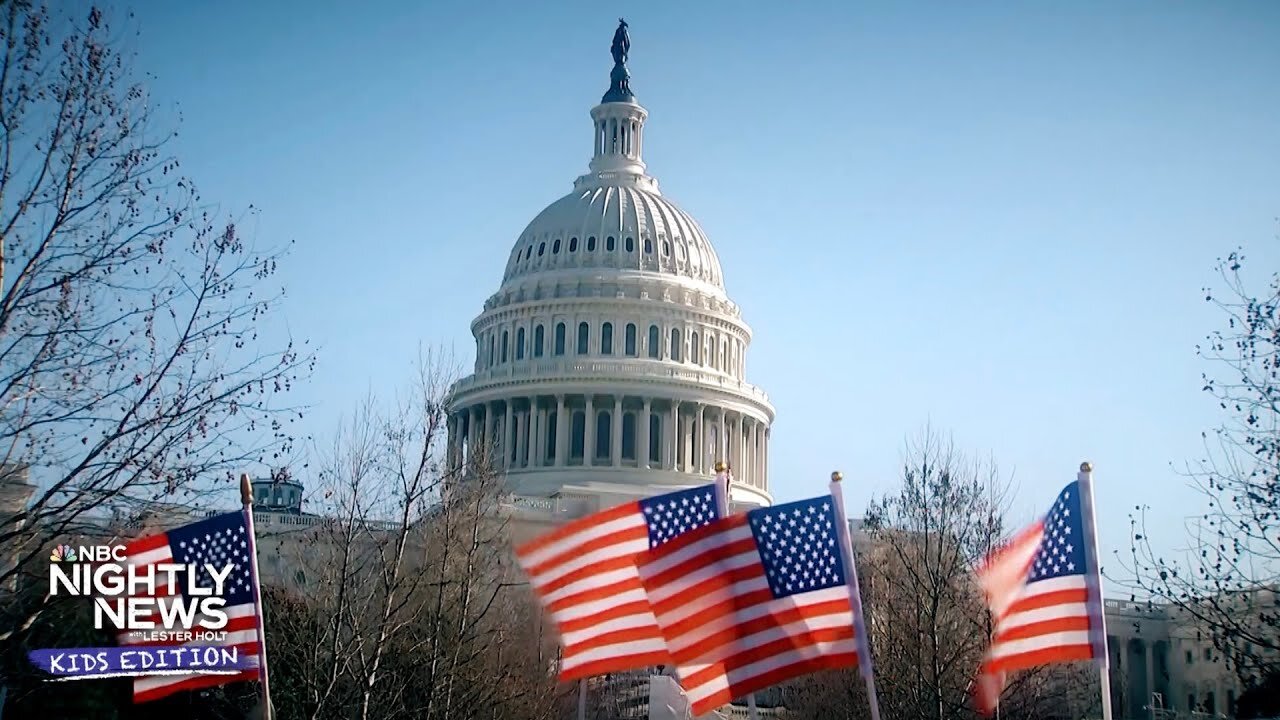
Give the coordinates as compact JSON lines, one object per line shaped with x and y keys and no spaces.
{"x":167,"y":621}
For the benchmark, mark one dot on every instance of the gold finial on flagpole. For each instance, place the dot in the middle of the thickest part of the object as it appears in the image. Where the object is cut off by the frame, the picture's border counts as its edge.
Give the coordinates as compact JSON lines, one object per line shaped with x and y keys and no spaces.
{"x":1086,"y":466}
{"x":720,"y":466}
{"x":837,"y":476}
{"x":246,"y":490}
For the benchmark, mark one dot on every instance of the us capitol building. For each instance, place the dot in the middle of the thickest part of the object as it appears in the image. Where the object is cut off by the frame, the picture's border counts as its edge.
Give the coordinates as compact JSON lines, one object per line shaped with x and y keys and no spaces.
{"x":611,"y":363}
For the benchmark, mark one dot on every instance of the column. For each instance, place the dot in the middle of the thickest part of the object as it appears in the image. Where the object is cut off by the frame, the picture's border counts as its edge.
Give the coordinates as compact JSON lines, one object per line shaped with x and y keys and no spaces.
{"x":589,"y":434}
{"x":491,"y":433}
{"x":616,"y":428}
{"x":563,"y":424}
{"x":700,"y":431}
{"x":452,"y":425}
{"x":740,"y":447}
{"x":535,"y":433}
{"x":722,"y":442}
{"x":521,"y":436}
{"x":765,"y":476}
{"x":508,"y":436}
{"x":473,"y":436}
{"x":642,"y":452}
{"x":673,"y":432}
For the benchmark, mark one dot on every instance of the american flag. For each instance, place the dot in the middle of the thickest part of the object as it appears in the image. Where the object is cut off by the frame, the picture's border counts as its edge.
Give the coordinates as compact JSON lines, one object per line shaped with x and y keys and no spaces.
{"x":753,"y":600}
{"x":1038,"y":590}
{"x":218,"y":541}
{"x":584,"y":573}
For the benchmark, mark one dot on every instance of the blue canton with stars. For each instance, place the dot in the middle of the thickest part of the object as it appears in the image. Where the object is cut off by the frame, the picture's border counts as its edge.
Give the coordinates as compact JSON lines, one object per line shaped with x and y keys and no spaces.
{"x":799,"y":546}
{"x":1062,"y":546}
{"x":669,"y":515}
{"x":218,"y":541}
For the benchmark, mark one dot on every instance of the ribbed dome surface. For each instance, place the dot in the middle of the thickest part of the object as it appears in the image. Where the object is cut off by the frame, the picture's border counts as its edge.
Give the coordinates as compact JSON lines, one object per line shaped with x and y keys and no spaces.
{"x":619,"y":227}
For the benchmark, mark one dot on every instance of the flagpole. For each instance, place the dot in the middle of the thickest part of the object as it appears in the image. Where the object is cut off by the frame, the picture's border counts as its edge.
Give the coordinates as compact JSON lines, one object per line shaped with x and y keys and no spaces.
{"x":855,"y":595}
{"x":582,"y":699}
{"x":1094,"y":581}
{"x":725,"y":471}
{"x":246,"y":499}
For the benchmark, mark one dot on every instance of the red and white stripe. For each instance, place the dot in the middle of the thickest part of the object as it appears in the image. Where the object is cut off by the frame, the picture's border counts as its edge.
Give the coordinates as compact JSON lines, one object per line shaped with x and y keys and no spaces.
{"x":727,"y":634}
{"x":1036,"y":623}
{"x":584,"y":573}
{"x":241,"y":630}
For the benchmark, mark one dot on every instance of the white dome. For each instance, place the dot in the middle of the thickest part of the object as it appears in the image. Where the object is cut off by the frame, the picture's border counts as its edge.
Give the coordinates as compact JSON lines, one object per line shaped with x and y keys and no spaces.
{"x":611,"y":363}
{"x":615,"y":227}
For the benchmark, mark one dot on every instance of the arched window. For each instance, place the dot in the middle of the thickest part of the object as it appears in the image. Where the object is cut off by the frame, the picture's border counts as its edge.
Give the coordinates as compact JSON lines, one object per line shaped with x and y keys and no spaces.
{"x":520,"y":344}
{"x":609,"y":244}
{"x":629,"y":436}
{"x":724,"y":355}
{"x":528,"y":253}
{"x":573,"y":244}
{"x":505,"y":337}
{"x":695,"y":352}
{"x":591,"y":244}
{"x":584,"y":332}
{"x":492,"y":341}
{"x":606,"y":339}
{"x":555,"y":247}
{"x":538,"y":338}
{"x":675,"y":344}
{"x":542,"y":247}
{"x":604,"y":432}
{"x":629,"y":340}
{"x":666,"y":248}
{"x":631,"y":244}
{"x":559,"y":348}
{"x":578,"y":435}
{"x":655,"y":342}
{"x":655,"y":438}
{"x":648,"y":246}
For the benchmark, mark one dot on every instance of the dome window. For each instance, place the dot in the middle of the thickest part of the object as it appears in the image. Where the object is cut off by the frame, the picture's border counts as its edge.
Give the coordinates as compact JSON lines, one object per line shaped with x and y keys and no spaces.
{"x":542,"y":247}
{"x":655,"y":438}
{"x":655,"y":342}
{"x":675,"y":344}
{"x":577,"y":435}
{"x":666,"y":248}
{"x":491,"y":349}
{"x":629,"y":436}
{"x":555,"y":247}
{"x":629,"y":340}
{"x":573,"y":244}
{"x":583,"y":332}
{"x":505,"y":338}
{"x":528,"y":252}
{"x":695,"y":356}
{"x":610,"y":244}
{"x":591,"y":244}
{"x":520,"y":344}
{"x":631,"y":244}
{"x":606,"y":339}
{"x":604,"y":433}
{"x":648,"y":246}
{"x":559,"y":346}
{"x":538,"y":338}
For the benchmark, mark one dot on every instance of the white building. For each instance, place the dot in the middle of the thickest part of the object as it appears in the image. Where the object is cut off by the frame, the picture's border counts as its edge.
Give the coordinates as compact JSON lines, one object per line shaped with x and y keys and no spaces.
{"x":611,"y":362}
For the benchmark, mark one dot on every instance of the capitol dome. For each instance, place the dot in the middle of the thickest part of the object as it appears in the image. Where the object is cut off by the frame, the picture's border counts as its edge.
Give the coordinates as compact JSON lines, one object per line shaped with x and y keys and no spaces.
{"x":611,"y":363}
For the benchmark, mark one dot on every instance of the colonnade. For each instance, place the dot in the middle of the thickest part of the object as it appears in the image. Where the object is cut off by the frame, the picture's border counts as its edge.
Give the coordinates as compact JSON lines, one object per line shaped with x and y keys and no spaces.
{"x":550,"y":431}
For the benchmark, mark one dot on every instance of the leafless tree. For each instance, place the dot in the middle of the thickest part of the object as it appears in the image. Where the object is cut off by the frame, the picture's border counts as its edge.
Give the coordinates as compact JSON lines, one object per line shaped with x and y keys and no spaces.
{"x":928,"y":626}
{"x":132,"y":364}
{"x":1226,"y":583}
{"x":407,"y":594}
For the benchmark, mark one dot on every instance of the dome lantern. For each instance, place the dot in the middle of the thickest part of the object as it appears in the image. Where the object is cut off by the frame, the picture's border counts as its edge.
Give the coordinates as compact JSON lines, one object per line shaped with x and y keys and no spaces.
{"x":618,"y":120}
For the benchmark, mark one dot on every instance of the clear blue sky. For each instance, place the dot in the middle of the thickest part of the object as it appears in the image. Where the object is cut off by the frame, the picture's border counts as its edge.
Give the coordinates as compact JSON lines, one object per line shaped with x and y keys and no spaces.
{"x":994,"y":217}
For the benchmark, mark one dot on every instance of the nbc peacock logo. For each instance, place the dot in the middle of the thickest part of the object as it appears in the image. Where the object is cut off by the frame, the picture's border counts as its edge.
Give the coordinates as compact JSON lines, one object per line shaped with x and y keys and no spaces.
{"x":63,"y":553}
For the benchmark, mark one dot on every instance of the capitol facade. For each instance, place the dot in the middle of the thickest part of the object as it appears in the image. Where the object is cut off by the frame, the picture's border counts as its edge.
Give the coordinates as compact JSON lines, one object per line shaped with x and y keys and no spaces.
{"x":611,"y":363}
